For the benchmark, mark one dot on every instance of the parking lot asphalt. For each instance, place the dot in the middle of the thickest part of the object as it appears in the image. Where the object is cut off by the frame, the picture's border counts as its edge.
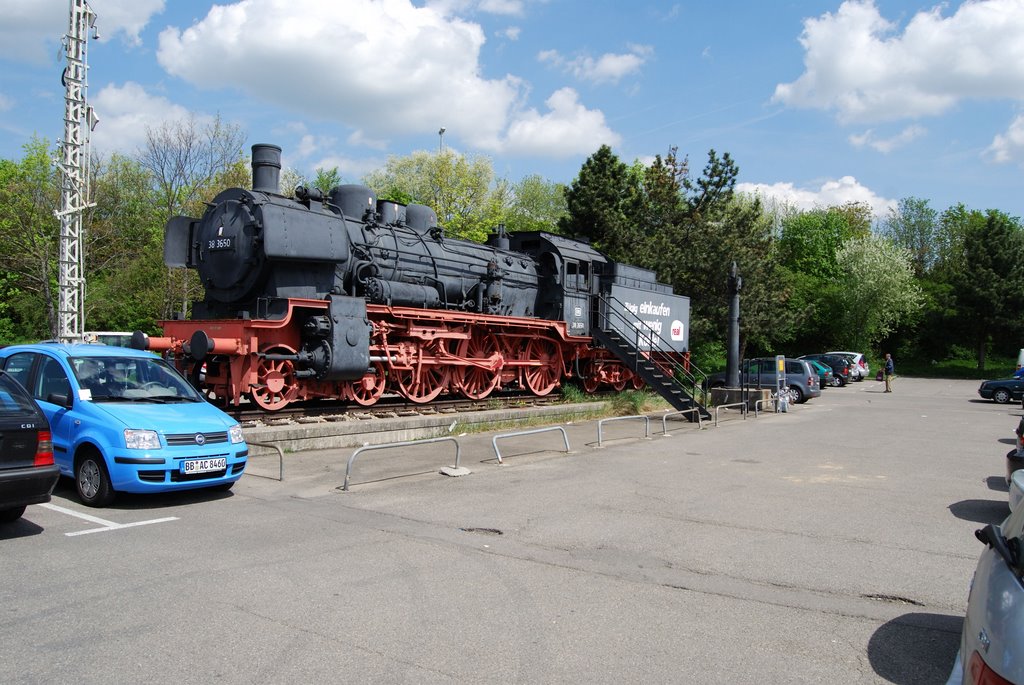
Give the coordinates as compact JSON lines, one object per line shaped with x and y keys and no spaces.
{"x":833,"y":543}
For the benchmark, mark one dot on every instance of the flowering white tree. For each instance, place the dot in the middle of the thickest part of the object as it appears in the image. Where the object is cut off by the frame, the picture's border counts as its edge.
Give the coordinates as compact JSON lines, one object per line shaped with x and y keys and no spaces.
{"x":878,"y":289}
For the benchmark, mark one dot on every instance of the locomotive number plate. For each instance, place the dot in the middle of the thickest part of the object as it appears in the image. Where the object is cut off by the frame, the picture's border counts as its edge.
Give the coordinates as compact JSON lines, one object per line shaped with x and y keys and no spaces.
{"x":204,"y":465}
{"x":220,"y":243}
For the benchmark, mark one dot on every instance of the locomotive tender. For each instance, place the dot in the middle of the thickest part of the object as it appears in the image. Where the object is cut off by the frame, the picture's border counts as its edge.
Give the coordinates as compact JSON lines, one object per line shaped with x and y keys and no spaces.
{"x":347,"y":296}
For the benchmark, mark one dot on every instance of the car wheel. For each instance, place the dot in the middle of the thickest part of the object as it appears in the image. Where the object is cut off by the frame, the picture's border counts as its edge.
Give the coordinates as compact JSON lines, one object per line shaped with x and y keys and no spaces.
{"x":92,"y":480}
{"x":1001,"y":396}
{"x":796,"y":395}
{"x":11,"y":515}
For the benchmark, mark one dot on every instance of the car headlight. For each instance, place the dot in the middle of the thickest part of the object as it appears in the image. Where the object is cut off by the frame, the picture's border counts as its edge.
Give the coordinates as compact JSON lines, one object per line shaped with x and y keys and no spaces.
{"x":235,"y":433}
{"x":141,"y":440}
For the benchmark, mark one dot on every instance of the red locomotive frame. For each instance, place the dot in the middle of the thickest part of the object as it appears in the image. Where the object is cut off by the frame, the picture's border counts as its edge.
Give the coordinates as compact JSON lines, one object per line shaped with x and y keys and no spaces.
{"x":416,"y":353}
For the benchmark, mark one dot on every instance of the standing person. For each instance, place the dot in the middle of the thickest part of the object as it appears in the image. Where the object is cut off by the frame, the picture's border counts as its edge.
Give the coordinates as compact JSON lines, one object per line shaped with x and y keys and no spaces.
{"x":890,"y":370}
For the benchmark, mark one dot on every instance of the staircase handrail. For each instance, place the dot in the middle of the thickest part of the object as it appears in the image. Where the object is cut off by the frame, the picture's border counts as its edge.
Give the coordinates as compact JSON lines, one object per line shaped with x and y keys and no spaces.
{"x":660,"y":354}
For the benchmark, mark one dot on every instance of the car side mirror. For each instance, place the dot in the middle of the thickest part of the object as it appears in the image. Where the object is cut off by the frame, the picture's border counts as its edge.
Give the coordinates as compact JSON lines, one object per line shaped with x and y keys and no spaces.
{"x":60,"y":399}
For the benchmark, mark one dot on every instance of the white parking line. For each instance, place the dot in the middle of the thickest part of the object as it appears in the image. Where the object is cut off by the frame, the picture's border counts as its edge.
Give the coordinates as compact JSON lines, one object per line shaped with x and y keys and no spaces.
{"x":107,"y":525}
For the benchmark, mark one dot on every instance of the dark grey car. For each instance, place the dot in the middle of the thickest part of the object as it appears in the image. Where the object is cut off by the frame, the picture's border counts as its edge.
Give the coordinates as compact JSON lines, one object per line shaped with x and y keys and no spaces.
{"x":27,"y":471}
{"x":762,"y":373}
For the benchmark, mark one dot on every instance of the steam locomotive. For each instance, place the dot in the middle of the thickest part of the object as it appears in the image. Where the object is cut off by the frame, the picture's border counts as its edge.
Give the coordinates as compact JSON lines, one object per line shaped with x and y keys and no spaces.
{"x":342,"y":295}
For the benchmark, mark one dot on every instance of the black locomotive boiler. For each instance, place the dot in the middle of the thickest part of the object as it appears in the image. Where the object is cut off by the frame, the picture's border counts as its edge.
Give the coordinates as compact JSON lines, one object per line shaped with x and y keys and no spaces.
{"x":346,"y":296}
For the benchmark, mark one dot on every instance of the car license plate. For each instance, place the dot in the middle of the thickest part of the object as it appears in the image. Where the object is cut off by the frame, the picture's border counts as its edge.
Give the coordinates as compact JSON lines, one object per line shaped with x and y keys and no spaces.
{"x":204,"y":465}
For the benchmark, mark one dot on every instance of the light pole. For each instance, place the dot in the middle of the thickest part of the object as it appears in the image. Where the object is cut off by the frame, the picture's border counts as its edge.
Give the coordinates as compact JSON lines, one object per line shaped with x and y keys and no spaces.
{"x":440,"y":142}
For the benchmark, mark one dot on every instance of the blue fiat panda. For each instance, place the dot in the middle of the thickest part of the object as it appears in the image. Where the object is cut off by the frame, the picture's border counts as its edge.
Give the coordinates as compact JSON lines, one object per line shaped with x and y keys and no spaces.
{"x":124,"y":420}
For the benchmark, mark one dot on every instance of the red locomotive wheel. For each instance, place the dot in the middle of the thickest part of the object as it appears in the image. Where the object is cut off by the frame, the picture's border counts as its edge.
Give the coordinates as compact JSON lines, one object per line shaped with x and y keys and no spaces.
{"x":477,"y":382}
{"x":276,"y":385}
{"x":546,"y":366}
{"x":428,"y":376}
{"x":591,"y":382}
{"x":423,"y":383}
{"x":368,"y":389}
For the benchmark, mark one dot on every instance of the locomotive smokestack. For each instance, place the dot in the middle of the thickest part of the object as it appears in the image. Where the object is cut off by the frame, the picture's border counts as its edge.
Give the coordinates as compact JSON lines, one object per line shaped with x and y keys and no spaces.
{"x":266,"y":168}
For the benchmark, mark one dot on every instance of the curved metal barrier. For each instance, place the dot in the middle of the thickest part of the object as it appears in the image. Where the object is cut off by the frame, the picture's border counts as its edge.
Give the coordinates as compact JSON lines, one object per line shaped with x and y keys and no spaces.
{"x":600,"y":424}
{"x":407,"y":443}
{"x":664,"y":419}
{"x":726,"y":406}
{"x":494,"y":440}
{"x":280,"y":459}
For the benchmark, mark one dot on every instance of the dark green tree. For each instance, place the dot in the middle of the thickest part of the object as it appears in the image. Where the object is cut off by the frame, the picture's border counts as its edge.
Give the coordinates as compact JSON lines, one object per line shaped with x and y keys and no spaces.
{"x":989,"y":282}
{"x":599,"y":203}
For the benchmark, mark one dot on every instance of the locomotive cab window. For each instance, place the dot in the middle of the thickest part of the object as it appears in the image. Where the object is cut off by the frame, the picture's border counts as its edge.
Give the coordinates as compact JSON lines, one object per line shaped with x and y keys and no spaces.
{"x":577,"y":275}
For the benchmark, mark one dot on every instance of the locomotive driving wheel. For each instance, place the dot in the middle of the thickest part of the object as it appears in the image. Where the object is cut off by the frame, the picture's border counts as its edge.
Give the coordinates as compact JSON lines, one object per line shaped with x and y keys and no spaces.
{"x":276,"y":385}
{"x":477,"y":382}
{"x":368,"y":389}
{"x":590,"y":379}
{"x":545,"y":371}
{"x":425,"y":379}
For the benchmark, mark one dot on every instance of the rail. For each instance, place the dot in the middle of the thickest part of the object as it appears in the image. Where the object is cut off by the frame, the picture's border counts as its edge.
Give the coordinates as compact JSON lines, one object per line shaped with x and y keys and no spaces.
{"x":494,"y":440}
{"x":758,"y":403}
{"x":664,"y":418}
{"x":600,"y":425}
{"x":406,"y":443}
{"x":280,"y":459}
{"x":727,"y":406}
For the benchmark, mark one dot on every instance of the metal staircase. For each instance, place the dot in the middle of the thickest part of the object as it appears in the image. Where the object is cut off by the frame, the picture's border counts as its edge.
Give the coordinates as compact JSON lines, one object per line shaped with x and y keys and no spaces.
{"x":650,"y":356}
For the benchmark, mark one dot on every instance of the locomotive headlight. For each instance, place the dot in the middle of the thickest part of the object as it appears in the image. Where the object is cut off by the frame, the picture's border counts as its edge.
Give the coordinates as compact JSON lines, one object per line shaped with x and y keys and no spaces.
{"x":141,"y":440}
{"x":235,"y":434}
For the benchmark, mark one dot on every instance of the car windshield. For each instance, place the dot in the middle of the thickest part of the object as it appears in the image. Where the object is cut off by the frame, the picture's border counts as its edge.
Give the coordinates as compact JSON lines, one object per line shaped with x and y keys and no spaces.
{"x":131,"y":379}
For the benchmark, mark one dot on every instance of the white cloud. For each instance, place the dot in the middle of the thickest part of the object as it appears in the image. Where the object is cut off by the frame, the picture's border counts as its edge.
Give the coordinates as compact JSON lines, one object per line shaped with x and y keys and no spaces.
{"x":406,"y":70}
{"x":6,"y":103}
{"x":887,"y":145}
{"x":858,"y":65}
{"x":567,"y":129}
{"x":126,"y":17}
{"x":511,"y":33}
{"x":351,"y":170}
{"x":830,"y":193}
{"x":126,"y":111}
{"x":503,"y":7}
{"x":1008,"y":146}
{"x":608,"y":68}
{"x":506,"y":7}
{"x":31,"y":30}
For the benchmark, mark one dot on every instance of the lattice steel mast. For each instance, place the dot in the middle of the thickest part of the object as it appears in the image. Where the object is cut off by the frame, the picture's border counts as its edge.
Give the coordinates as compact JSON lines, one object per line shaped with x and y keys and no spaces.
{"x":79,"y":121}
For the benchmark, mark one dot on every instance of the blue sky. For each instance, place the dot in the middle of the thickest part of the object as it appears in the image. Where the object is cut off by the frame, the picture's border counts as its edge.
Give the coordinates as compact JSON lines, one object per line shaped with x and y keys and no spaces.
{"x":819,"y":102}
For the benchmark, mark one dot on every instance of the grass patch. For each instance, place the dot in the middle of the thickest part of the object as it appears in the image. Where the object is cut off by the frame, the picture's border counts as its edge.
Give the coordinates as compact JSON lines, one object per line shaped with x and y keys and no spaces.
{"x":573,"y":394}
{"x":633,"y":402}
{"x":962,"y":368}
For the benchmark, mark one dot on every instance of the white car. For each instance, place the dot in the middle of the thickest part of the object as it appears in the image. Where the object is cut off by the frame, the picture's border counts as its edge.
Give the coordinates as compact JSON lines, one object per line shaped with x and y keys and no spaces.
{"x":992,"y":641}
{"x":858,"y":362}
{"x":1016,"y":489}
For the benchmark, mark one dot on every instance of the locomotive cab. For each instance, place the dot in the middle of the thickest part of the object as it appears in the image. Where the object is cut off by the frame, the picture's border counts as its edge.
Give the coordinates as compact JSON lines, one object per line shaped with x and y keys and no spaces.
{"x":569,"y":274}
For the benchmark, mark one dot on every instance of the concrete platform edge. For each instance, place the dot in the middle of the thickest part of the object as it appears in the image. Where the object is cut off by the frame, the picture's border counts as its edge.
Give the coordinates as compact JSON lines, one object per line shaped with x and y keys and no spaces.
{"x":354,"y":432}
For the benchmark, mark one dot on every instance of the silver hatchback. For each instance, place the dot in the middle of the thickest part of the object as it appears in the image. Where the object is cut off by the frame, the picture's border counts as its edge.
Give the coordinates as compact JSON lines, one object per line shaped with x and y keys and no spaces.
{"x":992,"y":642}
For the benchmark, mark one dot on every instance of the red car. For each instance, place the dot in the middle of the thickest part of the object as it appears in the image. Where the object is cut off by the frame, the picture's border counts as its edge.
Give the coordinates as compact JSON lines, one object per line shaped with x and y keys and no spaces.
{"x":27,"y":471}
